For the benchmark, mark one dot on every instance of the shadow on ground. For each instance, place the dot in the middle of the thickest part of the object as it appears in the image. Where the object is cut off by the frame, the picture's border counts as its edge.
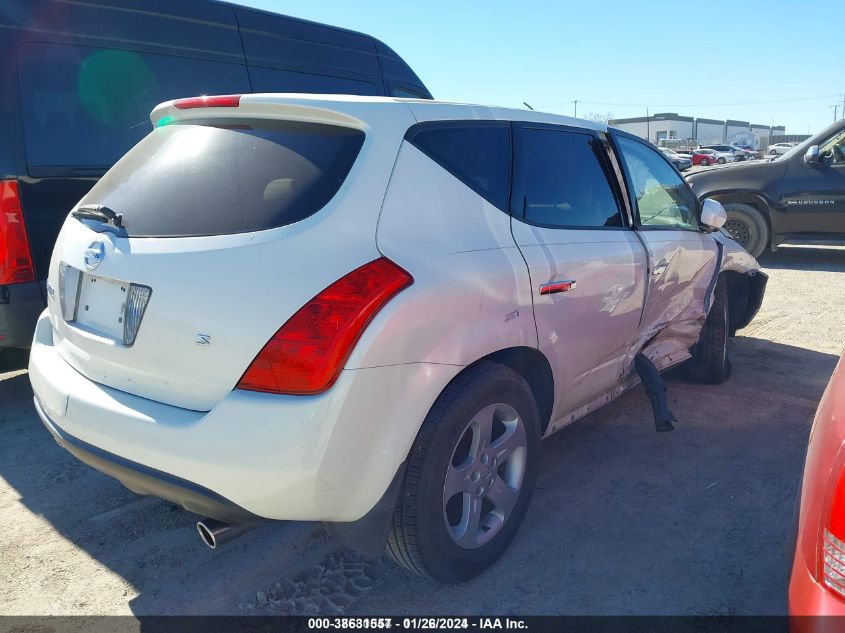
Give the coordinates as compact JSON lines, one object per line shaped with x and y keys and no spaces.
{"x":805,"y":258}
{"x":623,"y":520}
{"x":628,"y":521}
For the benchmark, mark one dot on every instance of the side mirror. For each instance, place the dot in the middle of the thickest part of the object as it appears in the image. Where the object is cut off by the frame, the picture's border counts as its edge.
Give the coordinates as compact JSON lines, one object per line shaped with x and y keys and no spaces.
{"x":713,"y":214}
{"x":812,"y":155}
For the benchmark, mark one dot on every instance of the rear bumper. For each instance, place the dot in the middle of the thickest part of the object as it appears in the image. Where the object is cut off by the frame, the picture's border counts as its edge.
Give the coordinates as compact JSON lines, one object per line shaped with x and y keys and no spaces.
{"x":20,"y":305}
{"x":148,"y":481}
{"x":329,"y":457}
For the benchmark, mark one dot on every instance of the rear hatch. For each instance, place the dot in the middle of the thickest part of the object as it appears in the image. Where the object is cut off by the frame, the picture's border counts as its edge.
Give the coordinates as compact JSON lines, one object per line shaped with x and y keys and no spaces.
{"x":186,"y":257}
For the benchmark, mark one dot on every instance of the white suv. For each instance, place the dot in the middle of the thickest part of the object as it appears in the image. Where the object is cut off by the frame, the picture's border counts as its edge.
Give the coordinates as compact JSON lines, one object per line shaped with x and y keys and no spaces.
{"x":367,"y":311}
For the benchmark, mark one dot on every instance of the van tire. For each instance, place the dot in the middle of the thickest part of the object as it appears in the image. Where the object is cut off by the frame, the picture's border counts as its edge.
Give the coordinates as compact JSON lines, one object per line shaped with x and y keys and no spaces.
{"x":710,"y":361}
{"x":748,"y":227}
{"x":420,"y":539}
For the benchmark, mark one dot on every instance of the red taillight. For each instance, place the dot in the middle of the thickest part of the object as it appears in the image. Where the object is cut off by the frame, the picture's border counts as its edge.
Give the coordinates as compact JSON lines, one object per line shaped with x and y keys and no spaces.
{"x":832,"y":542}
{"x":218,"y":101}
{"x":307,"y":353}
{"x":15,"y":257}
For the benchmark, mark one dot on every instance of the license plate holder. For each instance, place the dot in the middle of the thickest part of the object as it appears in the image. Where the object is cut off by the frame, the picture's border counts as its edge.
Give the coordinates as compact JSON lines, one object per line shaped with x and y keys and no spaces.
{"x":102,"y":305}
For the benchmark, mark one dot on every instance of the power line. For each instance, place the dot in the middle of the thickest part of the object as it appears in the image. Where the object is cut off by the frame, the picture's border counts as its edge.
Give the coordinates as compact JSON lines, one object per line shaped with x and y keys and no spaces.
{"x":688,"y":105}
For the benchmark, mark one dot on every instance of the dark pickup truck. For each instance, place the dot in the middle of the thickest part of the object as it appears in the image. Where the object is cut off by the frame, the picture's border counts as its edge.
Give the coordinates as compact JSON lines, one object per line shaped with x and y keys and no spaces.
{"x":796,"y":198}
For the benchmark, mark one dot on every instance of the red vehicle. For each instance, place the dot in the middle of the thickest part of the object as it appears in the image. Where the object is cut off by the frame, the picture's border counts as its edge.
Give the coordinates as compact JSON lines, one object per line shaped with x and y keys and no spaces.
{"x":704,"y":157}
{"x":817,"y":584}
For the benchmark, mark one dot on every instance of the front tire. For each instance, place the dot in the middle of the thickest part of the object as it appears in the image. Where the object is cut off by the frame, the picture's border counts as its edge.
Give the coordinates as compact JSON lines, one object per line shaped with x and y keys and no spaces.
{"x":704,"y":162}
{"x":747,"y":227}
{"x":470,"y":476}
{"x":710,"y":362}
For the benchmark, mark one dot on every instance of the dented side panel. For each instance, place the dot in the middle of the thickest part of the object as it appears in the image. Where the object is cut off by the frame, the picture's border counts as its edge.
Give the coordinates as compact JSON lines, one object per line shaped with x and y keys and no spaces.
{"x":682,"y":267}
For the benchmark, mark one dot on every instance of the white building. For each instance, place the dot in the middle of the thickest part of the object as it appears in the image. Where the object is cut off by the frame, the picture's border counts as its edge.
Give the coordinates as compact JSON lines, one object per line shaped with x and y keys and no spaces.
{"x":674,"y":130}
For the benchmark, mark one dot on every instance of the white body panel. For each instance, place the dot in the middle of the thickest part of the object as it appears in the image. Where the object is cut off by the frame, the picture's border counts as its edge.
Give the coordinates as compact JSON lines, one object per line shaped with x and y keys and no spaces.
{"x":586,"y":332}
{"x":327,"y":457}
{"x":167,"y":403}
{"x":471,"y":294}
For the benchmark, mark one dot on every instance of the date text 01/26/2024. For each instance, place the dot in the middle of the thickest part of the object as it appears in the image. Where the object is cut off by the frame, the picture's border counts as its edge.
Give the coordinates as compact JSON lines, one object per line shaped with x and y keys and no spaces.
{"x":418,"y":624}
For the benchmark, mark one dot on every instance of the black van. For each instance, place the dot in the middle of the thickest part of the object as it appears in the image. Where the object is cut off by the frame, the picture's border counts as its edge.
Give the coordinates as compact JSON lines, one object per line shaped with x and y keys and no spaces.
{"x":81,"y":78}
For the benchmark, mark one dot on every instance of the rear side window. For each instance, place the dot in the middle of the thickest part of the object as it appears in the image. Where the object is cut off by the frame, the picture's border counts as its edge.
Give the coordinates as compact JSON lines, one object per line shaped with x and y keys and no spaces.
{"x":83,"y":107}
{"x":565,"y":184}
{"x":477,"y":155}
{"x":189,"y":180}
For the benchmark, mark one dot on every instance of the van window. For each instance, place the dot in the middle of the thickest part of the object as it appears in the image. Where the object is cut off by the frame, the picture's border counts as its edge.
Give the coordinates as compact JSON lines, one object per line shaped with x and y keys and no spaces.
{"x":476,"y":154}
{"x":565,"y":184}
{"x":189,"y":180}
{"x":84,"y":107}
{"x":275,"y":80}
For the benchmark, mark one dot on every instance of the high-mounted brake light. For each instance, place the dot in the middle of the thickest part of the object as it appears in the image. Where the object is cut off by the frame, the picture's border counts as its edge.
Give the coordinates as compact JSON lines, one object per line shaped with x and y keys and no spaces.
{"x":15,"y":256}
{"x":308,"y":352}
{"x":832,"y":545}
{"x":218,"y":101}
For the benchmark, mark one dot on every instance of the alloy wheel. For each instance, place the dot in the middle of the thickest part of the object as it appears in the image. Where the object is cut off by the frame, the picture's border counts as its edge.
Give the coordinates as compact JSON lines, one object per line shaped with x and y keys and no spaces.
{"x":485,"y":476}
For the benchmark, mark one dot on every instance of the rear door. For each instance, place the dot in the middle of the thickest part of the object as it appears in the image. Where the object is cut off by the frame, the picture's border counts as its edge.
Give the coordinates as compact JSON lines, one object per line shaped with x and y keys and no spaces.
{"x":587,"y":267}
{"x":813,"y":199}
{"x":682,"y":259}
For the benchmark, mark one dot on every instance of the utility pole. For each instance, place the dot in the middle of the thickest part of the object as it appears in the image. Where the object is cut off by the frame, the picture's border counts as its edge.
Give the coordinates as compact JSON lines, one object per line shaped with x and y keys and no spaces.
{"x":648,"y":125}
{"x":835,"y":107}
{"x":576,"y":108}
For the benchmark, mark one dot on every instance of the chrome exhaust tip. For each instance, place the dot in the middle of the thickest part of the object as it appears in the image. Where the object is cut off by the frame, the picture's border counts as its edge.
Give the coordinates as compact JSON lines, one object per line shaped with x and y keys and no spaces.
{"x":216,"y":533}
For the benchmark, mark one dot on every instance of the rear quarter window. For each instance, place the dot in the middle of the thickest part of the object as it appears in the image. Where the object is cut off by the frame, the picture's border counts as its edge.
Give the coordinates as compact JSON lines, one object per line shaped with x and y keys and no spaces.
{"x":479,"y":155}
{"x":187,"y":180}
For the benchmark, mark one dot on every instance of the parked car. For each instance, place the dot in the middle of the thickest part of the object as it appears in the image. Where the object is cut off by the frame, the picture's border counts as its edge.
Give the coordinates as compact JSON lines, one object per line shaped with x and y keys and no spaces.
{"x":738,"y":153}
{"x":678,"y":160}
{"x":716,"y":157}
{"x":779,"y":149}
{"x":797,"y":199}
{"x":335,"y":286}
{"x":83,"y":77}
{"x":817,"y":582}
{"x":706,"y":157}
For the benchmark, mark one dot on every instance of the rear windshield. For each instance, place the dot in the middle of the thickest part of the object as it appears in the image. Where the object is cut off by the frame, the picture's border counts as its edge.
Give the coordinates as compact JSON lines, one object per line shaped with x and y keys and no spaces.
{"x":191,"y":180}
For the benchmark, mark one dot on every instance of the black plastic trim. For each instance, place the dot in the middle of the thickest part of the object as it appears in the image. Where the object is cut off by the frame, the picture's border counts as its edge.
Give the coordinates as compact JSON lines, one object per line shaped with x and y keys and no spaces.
{"x":368,"y":535}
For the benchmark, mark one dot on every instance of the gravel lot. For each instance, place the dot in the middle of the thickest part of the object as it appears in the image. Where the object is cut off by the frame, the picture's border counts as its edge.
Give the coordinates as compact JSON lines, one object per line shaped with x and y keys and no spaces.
{"x":624,"y":520}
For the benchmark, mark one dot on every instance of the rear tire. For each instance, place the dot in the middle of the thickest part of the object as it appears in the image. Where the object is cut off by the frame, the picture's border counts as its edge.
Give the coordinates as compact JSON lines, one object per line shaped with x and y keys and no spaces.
{"x":748,"y":227}
{"x":710,"y":361}
{"x":721,"y":161}
{"x":454,"y":518}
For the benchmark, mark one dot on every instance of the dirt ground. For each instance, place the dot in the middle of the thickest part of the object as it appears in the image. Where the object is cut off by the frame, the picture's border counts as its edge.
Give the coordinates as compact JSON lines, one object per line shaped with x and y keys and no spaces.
{"x":624,"y":521}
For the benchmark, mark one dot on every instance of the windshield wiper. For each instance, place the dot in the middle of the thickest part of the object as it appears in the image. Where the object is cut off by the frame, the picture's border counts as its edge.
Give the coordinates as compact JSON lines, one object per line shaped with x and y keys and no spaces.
{"x":99,"y":213}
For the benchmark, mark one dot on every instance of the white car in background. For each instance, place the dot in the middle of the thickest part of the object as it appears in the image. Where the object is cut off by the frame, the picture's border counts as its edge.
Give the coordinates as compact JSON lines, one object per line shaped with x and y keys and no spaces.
{"x":779,"y":149}
{"x":368,"y":311}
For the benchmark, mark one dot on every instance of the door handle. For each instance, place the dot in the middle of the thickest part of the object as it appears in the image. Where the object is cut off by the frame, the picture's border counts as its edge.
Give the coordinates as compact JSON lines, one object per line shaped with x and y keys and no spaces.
{"x":564,"y":285}
{"x":660,"y":267}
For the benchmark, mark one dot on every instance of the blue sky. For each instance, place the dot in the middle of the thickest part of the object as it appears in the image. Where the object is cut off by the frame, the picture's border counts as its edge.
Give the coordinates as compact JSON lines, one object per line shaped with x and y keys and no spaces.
{"x":752,"y":60}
